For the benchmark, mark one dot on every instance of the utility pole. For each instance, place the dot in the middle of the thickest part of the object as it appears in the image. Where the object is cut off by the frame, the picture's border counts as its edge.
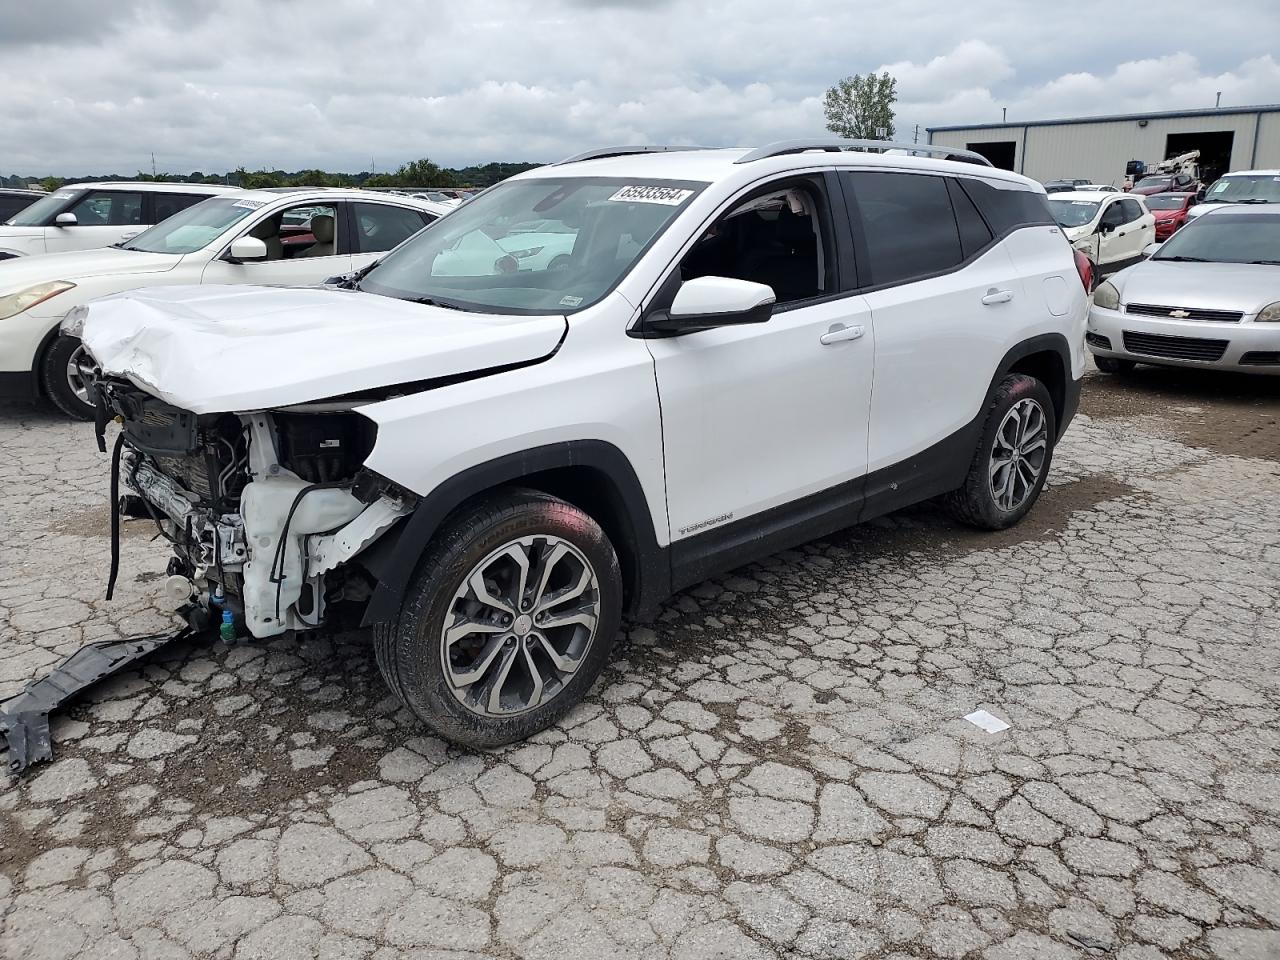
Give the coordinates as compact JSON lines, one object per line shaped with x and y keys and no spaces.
{"x":153,"y":165}
{"x":916,"y":137}
{"x":1218,"y":101}
{"x":1004,"y":114}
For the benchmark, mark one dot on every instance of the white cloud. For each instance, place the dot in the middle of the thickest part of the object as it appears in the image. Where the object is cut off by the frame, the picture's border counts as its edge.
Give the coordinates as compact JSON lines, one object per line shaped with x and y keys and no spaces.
{"x":95,"y":89}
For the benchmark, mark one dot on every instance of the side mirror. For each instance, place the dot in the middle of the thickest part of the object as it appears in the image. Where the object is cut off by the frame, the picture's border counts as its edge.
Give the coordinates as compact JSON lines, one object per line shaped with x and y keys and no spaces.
{"x":1151,"y":248}
{"x":705,"y":302}
{"x":65,"y":220}
{"x":247,"y":250}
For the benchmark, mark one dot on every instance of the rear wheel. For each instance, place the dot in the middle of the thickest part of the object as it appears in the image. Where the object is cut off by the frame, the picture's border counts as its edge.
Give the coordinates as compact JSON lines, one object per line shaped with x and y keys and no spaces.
{"x":65,"y":373}
{"x":509,"y":621}
{"x":1114,"y":364}
{"x":1013,"y":457}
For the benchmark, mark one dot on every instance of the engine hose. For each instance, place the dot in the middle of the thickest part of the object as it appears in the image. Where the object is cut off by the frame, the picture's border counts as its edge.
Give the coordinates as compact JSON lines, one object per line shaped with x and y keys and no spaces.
{"x":276,"y":572}
{"x":115,"y":515}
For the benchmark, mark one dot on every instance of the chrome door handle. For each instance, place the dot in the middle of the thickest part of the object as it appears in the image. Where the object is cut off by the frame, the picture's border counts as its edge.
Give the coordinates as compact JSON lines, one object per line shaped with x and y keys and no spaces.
{"x":839,"y":332}
{"x":997,"y":296}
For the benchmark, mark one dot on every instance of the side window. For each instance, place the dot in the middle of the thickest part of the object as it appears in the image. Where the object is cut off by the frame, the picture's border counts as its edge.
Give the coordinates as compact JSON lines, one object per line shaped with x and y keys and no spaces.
{"x":108,"y":208}
{"x":974,"y":233}
{"x":776,"y":237}
{"x":167,"y":204}
{"x":307,"y":230}
{"x":1007,"y":209}
{"x":907,"y":224}
{"x":1113,"y":216}
{"x":381,"y":226}
{"x":1132,"y":210}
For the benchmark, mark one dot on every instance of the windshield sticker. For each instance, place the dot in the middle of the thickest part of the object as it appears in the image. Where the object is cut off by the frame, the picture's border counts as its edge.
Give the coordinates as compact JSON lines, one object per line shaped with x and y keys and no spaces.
{"x":570,"y":301}
{"x":249,"y":204}
{"x":1082,"y":203}
{"x":64,"y":194}
{"x":667,"y":196}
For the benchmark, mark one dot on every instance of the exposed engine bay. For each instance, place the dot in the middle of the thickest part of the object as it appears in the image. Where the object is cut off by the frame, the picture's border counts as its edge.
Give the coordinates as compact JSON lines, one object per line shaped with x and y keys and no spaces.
{"x":263,"y":509}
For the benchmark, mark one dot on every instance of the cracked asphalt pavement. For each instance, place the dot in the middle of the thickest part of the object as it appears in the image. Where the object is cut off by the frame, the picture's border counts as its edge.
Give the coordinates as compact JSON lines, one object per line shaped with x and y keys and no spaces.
{"x":776,"y":767}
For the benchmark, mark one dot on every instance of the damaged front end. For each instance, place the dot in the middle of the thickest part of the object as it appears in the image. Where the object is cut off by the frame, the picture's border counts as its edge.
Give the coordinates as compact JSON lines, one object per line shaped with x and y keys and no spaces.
{"x":265,"y":510}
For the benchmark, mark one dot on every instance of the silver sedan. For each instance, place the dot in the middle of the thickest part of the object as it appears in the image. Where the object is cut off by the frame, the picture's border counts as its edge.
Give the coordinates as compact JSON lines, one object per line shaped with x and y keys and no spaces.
{"x":1207,"y":297}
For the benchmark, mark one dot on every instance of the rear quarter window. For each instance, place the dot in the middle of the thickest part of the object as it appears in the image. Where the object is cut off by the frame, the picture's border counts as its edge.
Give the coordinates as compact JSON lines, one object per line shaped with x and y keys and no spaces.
{"x":1007,"y":209}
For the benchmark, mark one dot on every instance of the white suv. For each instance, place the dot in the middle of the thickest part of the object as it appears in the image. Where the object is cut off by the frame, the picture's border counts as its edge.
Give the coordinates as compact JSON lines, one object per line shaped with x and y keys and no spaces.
{"x":83,"y":216}
{"x":494,"y":462}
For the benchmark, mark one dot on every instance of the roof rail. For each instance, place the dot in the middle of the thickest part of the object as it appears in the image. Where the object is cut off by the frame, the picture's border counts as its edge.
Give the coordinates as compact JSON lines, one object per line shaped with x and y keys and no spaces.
{"x":834,"y":145}
{"x":603,"y":152}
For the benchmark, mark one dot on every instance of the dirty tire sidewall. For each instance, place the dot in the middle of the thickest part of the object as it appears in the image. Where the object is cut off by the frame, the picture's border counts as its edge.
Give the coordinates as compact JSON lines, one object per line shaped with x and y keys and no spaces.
{"x":973,"y":503}
{"x":53,"y":378}
{"x":408,"y":649}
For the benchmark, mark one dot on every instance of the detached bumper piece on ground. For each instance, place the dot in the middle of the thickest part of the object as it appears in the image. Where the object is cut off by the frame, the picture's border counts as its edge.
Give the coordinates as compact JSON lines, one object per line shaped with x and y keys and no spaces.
{"x":24,"y":718}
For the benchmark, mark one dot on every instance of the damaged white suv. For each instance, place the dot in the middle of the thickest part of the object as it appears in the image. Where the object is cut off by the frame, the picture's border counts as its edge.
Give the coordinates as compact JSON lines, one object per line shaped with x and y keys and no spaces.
{"x":492,"y":455}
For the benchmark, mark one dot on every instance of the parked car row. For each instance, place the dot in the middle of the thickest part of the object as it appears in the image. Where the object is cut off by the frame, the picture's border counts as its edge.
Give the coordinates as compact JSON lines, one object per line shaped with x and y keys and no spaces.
{"x":211,"y":235}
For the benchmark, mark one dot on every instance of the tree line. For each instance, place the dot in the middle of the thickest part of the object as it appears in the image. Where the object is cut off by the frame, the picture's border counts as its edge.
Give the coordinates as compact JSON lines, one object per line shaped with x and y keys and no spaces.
{"x":416,"y":173}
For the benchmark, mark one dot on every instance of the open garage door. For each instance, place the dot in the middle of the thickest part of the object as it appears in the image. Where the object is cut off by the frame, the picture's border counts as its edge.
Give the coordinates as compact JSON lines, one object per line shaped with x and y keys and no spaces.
{"x":999,"y":152}
{"x":1215,"y":151}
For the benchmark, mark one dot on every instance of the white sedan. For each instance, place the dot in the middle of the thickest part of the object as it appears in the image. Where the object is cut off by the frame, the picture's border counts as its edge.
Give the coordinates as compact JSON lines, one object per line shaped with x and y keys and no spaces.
{"x":1112,"y":229}
{"x":295,"y":237}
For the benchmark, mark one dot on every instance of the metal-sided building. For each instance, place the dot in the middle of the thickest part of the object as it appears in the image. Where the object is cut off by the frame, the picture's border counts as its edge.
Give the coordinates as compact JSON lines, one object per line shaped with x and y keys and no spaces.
{"x":1228,"y":138}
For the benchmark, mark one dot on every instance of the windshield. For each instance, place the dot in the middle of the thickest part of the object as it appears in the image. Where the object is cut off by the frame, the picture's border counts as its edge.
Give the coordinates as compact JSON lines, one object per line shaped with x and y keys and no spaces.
{"x":1146,"y":183}
{"x":1167,"y":201}
{"x":1236,"y":187}
{"x":1223,"y":237}
{"x":1072,"y":213}
{"x":533,"y":246}
{"x":42,"y":212}
{"x":194,"y":228}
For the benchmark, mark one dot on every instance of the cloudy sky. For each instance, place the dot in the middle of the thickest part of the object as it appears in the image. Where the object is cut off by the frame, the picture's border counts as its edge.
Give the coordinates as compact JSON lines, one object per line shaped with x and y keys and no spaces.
{"x":90,"y":87}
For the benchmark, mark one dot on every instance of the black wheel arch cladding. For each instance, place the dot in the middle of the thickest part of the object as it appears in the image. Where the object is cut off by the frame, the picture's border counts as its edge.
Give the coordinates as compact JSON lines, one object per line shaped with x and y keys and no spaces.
{"x":592,"y":474}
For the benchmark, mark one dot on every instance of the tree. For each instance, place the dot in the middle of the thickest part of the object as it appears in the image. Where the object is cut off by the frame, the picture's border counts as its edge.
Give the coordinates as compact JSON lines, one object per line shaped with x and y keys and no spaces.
{"x":860,"y":107}
{"x":52,"y":183}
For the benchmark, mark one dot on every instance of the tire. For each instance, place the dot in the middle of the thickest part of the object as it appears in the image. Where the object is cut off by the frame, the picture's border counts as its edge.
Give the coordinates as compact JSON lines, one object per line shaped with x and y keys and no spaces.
{"x":984,"y":500}
{"x":55,"y":378}
{"x":411,"y":650}
{"x":1114,"y":364}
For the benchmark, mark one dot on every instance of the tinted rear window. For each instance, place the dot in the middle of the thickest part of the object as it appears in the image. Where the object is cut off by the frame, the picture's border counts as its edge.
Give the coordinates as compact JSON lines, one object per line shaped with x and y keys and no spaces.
{"x":907,"y":223}
{"x":1004,"y":210}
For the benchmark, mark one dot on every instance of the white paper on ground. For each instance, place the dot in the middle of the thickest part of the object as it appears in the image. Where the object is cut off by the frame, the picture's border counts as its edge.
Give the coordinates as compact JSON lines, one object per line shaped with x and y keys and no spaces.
{"x":987,"y":721}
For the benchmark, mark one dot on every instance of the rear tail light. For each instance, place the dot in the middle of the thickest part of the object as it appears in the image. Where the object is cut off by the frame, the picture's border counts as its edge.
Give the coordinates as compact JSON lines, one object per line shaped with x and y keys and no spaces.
{"x":1084,"y":267}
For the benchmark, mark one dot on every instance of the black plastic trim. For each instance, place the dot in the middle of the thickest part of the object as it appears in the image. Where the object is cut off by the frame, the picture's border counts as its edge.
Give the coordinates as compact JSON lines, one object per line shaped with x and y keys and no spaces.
{"x":400,"y":550}
{"x":19,"y":385}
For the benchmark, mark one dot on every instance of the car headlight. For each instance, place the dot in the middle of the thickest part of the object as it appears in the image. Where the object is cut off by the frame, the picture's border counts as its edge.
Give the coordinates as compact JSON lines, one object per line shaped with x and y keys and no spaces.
{"x":1106,"y":296}
{"x":16,"y":303}
{"x":73,"y":323}
{"x":1269,"y":313}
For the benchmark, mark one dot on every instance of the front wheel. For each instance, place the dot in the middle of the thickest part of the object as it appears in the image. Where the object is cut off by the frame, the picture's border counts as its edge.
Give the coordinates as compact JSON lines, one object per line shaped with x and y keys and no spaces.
{"x":1114,"y":364}
{"x":65,"y":373}
{"x":509,"y":621}
{"x":1013,"y":457}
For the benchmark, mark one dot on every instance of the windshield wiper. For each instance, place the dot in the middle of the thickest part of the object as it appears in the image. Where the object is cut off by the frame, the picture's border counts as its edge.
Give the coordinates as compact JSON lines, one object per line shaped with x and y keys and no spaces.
{"x":432,"y":302}
{"x":1252,"y":200}
{"x":1182,"y":259}
{"x":1269,"y":263}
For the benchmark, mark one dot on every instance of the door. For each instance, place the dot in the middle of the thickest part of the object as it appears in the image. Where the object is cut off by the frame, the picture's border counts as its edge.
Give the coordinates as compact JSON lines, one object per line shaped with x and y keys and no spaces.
{"x":758,"y":416}
{"x":946,"y":298}
{"x":305,"y":245}
{"x":103,"y":217}
{"x":1111,"y":235}
{"x":1139,"y":228}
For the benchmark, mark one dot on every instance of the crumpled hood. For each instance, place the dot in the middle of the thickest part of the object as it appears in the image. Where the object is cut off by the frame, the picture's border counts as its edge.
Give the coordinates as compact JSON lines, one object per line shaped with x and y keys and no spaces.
{"x":23,"y":272}
{"x":218,"y":349}
{"x":1246,"y":287}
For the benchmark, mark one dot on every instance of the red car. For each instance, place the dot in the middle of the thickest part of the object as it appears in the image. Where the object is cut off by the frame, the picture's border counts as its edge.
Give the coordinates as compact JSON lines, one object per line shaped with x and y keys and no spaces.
{"x":1170,"y":211}
{"x":1165,"y":183}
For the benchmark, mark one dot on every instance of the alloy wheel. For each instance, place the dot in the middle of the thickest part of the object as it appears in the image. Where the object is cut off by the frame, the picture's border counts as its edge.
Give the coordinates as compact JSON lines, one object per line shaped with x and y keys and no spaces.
{"x":519,"y":626}
{"x":80,"y":371}
{"x":1018,"y":454}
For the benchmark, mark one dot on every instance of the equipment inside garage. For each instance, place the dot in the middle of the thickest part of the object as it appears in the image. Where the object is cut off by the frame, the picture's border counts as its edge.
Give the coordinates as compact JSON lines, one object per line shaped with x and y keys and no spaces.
{"x":1103,"y":149}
